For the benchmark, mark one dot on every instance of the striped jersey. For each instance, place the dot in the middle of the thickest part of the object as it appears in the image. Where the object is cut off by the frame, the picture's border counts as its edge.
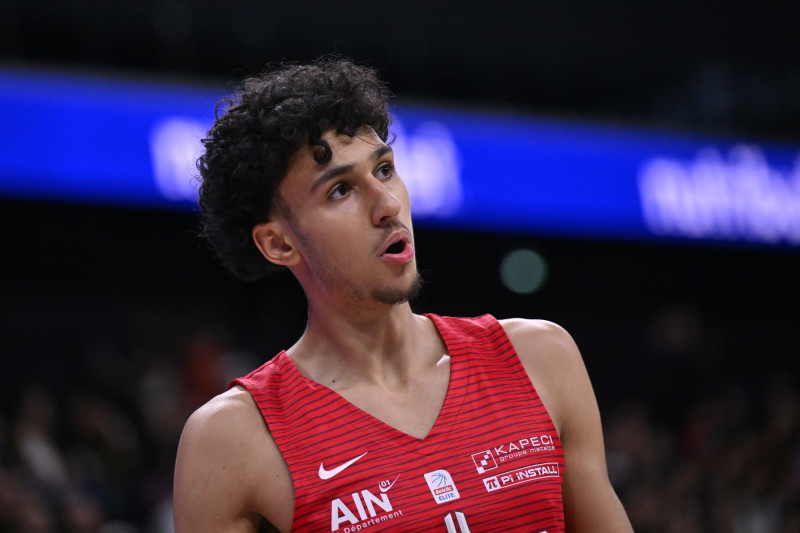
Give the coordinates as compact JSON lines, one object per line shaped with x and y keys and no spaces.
{"x":491,"y":462}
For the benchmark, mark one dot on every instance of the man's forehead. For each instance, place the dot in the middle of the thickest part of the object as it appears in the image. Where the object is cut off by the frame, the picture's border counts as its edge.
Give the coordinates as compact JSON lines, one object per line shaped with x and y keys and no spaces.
{"x":341,"y":145}
{"x":364,"y":134}
{"x":304,"y":165}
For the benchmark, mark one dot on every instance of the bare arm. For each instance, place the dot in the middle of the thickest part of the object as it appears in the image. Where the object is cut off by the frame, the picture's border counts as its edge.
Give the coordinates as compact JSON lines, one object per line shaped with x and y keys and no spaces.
{"x":229,"y":472}
{"x":556,"y":368}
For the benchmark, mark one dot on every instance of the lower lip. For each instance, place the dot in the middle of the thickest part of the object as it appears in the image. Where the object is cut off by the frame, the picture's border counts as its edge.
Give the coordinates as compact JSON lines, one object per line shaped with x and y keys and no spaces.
{"x":402,"y":258}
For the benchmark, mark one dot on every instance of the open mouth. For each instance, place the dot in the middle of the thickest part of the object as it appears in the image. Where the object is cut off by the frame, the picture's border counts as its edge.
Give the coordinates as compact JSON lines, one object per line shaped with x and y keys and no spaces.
{"x":396,"y":247}
{"x":400,"y":251}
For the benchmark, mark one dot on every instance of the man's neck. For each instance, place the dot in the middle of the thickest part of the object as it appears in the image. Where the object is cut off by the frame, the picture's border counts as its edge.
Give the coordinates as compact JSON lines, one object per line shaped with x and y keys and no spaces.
{"x":384,"y":344}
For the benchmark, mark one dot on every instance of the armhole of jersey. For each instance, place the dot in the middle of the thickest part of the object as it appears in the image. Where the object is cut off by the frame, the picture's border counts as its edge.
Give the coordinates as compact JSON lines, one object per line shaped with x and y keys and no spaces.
{"x":520,"y":368}
{"x":249,"y":384}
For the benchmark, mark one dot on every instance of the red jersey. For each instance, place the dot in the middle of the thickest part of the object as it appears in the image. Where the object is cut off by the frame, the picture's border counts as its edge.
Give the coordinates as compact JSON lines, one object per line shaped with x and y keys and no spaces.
{"x":491,"y":462}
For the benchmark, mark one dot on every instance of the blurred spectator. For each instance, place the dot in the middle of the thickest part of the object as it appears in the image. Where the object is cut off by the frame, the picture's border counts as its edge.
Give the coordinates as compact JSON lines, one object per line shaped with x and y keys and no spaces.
{"x":34,"y":430}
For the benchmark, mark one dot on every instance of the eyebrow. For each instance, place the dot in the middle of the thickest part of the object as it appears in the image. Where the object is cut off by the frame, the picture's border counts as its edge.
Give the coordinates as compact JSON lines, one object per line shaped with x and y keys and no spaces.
{"x":334,"y":172}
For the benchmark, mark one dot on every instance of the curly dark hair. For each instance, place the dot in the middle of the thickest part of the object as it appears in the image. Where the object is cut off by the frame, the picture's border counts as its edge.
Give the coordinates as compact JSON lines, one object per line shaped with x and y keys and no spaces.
{"x":264,"y":123}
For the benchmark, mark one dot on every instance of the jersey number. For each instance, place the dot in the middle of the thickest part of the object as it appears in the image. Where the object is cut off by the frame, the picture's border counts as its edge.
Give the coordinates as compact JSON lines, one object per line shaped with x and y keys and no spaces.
{"x":456,"y":523}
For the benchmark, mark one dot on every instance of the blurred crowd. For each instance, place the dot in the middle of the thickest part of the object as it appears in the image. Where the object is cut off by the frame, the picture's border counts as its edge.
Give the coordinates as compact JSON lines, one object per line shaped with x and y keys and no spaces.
{"x":731,"y":465}
{"x":97,"y":456}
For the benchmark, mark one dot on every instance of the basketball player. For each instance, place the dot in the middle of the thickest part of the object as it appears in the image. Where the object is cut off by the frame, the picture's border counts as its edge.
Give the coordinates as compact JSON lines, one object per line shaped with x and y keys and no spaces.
{"x":377,"y":418}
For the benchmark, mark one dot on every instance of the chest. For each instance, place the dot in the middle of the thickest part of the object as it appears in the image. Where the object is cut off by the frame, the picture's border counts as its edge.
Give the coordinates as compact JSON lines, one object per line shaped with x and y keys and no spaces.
{"x":412,"y":410}
{"x":491,"y":451}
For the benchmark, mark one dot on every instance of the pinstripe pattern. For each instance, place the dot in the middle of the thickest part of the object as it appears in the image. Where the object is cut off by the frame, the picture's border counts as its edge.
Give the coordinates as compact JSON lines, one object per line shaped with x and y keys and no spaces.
{"x":490,"y":405}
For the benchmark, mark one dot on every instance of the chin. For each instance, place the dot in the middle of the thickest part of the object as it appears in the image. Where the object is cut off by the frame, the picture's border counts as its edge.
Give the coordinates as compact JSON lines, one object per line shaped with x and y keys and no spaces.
{"x":399,"y":295}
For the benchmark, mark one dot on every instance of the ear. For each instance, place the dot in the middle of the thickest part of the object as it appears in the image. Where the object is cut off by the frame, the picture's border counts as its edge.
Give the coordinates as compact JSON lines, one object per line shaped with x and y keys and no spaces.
{"x":275,"y":244}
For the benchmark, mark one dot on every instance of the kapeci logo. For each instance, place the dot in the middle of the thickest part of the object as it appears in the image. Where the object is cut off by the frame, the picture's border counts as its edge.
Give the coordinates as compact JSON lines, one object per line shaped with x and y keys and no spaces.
{"x":489,"y":459}
{"x":484,"y":461}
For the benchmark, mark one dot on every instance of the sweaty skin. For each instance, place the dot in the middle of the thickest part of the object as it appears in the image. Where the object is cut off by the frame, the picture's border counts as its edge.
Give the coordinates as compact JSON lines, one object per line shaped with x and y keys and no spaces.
{"x":364,"y":342}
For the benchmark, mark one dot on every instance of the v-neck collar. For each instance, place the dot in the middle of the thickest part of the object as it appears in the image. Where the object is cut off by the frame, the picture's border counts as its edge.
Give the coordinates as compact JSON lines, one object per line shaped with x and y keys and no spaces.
{"x":379,"y":430}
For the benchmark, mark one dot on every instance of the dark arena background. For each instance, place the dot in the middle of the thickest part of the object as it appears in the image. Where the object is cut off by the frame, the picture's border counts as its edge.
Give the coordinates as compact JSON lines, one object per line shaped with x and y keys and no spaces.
{"x":628,"y":170}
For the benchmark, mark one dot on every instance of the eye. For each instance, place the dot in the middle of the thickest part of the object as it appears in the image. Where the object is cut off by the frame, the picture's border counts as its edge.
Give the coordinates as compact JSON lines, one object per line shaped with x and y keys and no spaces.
{"x":385,"y":171}
{"x":339,"y":191}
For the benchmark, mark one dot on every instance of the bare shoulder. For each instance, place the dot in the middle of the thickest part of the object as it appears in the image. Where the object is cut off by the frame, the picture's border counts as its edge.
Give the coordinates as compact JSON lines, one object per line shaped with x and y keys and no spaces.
{"x":229,"y":472}
{"x":542,"y":345}
{"x":234,"y":407}
{"x":226,"y":424}
{"x":551,"y":359}
{"x":541,"y":333}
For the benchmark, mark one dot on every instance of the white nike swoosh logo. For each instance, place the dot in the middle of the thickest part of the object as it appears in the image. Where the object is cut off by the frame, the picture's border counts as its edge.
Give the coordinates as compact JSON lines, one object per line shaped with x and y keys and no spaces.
{"x":327,"y":474}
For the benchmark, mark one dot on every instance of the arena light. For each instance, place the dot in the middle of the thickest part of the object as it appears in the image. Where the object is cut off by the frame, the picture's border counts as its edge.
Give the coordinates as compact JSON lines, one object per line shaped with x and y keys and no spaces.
{"x":523,"y":271}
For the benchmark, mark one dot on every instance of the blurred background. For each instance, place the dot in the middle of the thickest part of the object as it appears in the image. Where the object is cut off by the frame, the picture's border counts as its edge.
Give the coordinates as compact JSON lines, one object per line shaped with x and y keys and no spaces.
{"x":629,"y":170}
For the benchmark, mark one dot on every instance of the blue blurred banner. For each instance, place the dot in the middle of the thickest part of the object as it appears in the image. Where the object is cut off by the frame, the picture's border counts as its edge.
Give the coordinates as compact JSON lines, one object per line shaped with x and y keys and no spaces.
{"x":131,"y":142}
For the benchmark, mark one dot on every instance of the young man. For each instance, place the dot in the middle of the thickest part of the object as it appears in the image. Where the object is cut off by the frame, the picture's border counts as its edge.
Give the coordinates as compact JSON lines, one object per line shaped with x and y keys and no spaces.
{"x":377,"y":418}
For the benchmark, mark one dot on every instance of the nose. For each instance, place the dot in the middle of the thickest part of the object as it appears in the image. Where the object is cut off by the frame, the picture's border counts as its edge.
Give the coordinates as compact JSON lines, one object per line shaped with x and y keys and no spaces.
{"x":386,"y":204}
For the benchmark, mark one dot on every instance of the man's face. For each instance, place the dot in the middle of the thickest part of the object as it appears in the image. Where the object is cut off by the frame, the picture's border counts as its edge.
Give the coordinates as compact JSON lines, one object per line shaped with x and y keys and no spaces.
{"x":351,"y":220}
